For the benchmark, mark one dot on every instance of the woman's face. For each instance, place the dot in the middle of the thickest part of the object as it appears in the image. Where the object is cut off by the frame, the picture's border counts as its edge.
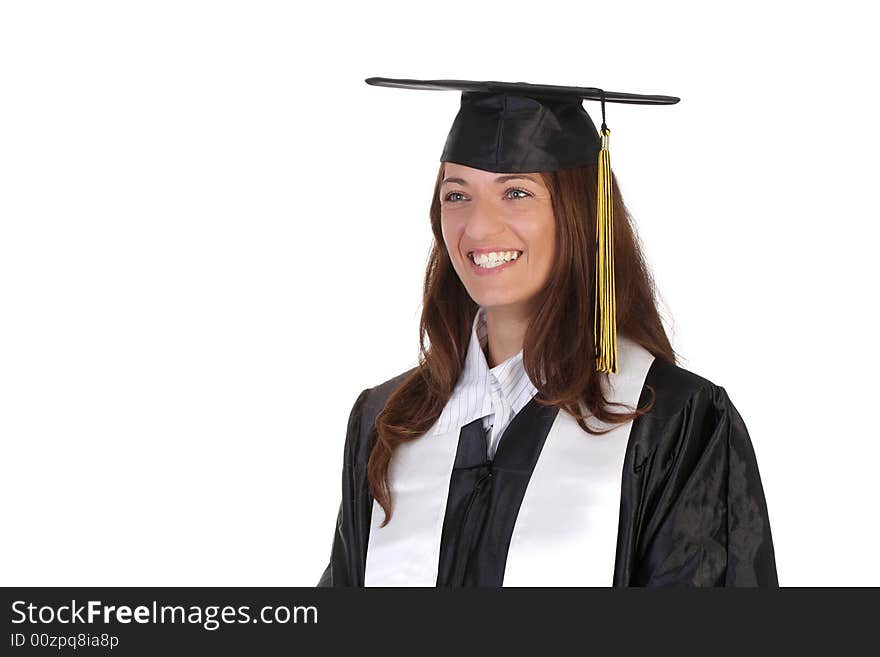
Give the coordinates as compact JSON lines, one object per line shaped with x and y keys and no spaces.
{"x":483,"y":212}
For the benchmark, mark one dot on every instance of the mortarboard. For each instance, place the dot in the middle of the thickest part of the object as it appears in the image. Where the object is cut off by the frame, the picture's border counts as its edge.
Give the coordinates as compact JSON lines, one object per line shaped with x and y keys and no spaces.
{"x":518,"y":127}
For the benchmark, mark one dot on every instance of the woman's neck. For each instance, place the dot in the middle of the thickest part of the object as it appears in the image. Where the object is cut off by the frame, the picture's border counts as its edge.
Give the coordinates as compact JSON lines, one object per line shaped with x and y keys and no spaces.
{"x":506,"y":327}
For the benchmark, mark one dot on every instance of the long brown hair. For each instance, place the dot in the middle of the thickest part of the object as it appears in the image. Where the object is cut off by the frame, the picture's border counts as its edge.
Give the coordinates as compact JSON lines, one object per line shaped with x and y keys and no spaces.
{"x":558,"y":345}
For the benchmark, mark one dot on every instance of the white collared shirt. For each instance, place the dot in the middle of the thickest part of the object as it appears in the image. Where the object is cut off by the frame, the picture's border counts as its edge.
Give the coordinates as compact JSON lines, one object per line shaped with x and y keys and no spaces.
{"x":495,"y":394}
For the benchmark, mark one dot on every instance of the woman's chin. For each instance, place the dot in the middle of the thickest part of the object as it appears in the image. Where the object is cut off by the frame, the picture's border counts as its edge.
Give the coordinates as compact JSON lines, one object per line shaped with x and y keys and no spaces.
{"x":487,"y":300}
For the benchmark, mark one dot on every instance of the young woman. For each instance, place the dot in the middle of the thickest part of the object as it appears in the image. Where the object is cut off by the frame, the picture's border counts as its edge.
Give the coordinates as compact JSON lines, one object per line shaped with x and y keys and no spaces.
{"x":508,"y":456}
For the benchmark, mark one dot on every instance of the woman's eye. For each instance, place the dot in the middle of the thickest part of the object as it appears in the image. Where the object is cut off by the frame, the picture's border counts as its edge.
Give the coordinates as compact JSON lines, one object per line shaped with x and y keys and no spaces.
{"x":449,"y":197}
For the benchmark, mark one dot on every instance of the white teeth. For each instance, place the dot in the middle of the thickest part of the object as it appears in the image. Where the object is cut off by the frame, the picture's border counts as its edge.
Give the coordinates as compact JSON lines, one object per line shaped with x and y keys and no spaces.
{"x":494,"y":258}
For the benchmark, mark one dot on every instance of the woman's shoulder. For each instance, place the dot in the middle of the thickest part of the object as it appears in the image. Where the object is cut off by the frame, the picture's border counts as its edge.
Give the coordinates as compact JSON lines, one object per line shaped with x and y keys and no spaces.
{"x":379,"y":394}
{"x":676,"y":389}
{"x":362,"y":418}
{"x":692,"y":426}
{"x":671,"y":386}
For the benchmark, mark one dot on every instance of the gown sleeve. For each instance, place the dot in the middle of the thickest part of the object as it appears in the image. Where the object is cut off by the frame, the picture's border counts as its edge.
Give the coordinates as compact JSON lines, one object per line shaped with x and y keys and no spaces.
{"x":709,"y":525}
{"x":343,"y":568}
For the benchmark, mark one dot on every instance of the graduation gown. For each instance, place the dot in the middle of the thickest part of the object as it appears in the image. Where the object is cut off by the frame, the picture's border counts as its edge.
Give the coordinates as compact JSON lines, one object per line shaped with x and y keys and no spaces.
{"x":673,"y":498}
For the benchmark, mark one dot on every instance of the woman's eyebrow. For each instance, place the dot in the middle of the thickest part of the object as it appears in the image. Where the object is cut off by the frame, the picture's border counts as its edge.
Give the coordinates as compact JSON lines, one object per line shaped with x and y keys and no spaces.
{"x":499,"y":179}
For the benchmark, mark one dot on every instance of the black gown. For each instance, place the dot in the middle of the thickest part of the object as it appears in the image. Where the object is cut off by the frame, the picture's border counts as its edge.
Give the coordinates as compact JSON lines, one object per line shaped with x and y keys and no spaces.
{"x":692,"y":506}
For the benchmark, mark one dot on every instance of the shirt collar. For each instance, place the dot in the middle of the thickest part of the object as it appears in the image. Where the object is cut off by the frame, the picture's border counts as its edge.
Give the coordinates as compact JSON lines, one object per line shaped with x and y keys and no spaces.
{"x":472,"y":396}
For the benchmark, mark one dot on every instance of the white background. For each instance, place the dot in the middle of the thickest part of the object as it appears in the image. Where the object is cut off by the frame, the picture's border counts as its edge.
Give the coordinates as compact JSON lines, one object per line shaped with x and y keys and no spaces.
{"x":213,"y":236}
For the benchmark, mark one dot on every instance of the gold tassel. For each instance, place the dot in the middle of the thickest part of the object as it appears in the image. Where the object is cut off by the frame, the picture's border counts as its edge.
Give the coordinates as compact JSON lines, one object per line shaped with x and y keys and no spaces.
{"x":605,"y":310}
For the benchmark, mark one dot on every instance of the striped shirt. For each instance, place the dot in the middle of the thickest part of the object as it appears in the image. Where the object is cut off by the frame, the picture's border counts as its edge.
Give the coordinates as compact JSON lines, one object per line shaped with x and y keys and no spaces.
{"x":495,"y":394}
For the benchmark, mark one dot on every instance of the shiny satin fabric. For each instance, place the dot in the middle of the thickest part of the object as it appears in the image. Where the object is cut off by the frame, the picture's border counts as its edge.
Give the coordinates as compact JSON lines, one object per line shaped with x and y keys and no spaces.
{"x":543,"y":511}
{"x":516,"y":127}
{"x":692,"y":508}
{"x":566,"y":529}
{"x":485,"y":497}
{"x":514,"y":134}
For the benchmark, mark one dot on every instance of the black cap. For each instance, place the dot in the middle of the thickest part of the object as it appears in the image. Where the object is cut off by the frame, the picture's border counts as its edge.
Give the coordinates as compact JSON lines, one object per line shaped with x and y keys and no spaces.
{"x":517,"y":127}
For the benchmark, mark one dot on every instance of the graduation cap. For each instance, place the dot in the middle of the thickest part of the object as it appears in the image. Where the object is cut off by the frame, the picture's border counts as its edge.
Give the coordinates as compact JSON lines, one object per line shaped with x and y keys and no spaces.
{"x":518,"y":127}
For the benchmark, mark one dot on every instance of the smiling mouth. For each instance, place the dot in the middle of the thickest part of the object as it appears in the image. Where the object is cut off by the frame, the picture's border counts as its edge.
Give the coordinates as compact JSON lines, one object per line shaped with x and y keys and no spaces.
{"x":519,"y":252}
{"x":487,"y":261}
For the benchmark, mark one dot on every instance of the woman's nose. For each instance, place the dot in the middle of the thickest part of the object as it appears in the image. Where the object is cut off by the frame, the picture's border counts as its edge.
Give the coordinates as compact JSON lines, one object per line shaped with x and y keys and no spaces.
{"x":486,"y":219}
